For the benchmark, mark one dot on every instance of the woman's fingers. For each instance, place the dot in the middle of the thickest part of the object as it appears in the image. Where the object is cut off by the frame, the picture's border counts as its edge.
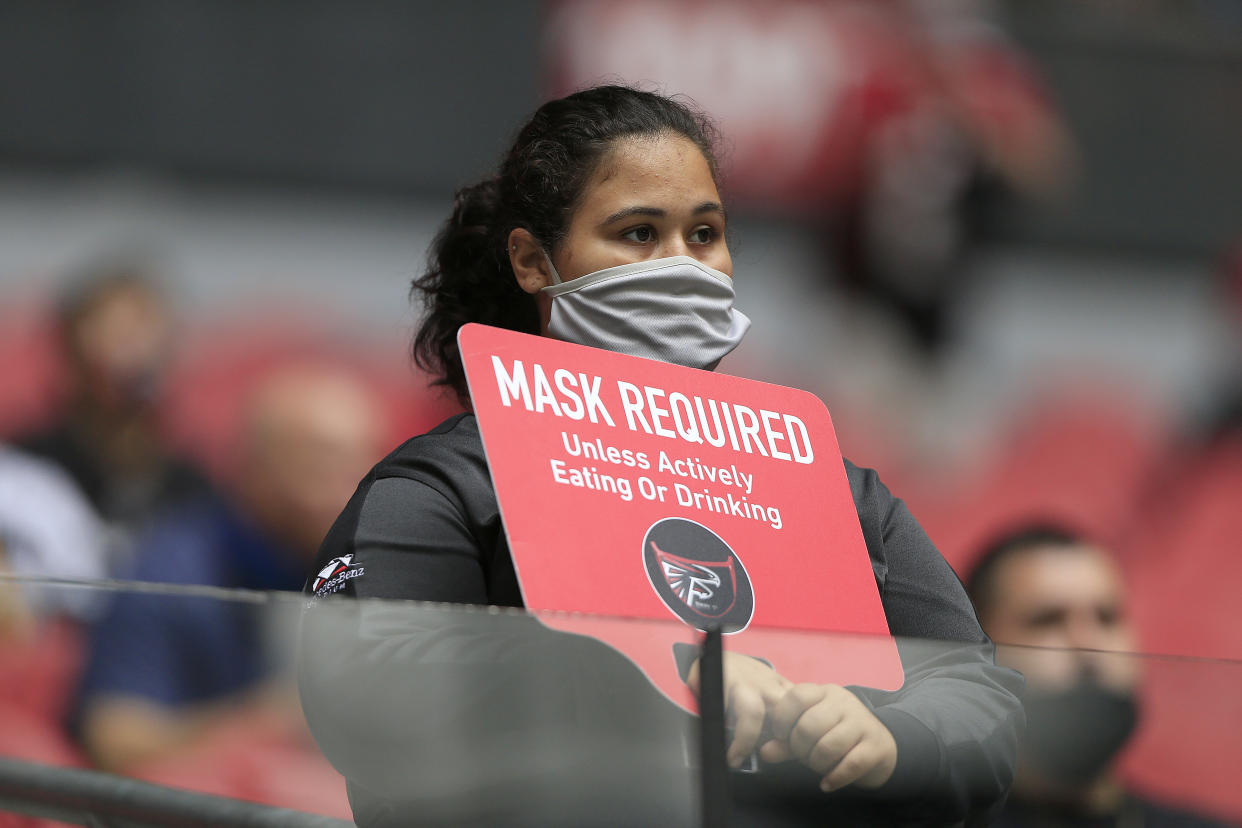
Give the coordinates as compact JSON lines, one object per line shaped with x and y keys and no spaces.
{"x":823,"y":754}
{"x":748,"y":711}
{"x":822,"y":727}
{"x":867,"y":765}
{"x":831,"y":731}
{"x":751,"y":687}
{"x":774,"y":751}
{"x":790,"y":708}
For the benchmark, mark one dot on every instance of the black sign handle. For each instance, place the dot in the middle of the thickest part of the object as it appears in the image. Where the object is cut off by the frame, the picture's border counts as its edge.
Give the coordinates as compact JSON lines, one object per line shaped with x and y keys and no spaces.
{"x":714,"y":766}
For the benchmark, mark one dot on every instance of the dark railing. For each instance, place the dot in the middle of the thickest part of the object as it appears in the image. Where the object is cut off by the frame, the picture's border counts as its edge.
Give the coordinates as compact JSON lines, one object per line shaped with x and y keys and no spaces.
{"x":102,"y":800}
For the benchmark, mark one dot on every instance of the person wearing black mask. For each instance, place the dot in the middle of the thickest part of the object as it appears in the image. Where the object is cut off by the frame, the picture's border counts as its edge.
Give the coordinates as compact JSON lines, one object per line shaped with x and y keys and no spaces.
{"x":1054,"y":603}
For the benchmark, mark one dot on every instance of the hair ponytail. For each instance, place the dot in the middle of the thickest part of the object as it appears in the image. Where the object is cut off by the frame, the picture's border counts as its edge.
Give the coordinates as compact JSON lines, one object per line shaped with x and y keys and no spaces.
{"x":468,"y":279}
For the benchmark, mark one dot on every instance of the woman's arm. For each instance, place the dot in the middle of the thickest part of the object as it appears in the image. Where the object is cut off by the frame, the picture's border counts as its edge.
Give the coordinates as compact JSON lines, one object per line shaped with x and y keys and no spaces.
{"x":957,"y":717}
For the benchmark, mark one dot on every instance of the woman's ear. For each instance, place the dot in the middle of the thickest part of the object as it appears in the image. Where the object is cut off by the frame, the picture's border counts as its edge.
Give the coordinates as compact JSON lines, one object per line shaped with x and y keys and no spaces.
{"x":530,"y":264}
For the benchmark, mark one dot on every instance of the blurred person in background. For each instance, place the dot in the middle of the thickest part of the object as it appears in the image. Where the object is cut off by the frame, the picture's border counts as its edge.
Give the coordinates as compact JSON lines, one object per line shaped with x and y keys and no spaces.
{"x":1054,"y":602}
{"x":960,"y":122}
{"x":47,"y":529}
{"x":164,"y":670}
{"x":115,"y":332}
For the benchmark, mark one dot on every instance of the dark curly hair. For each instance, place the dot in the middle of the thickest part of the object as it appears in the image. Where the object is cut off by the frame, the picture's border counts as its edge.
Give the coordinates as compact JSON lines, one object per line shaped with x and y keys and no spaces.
{"x":540,"y":182}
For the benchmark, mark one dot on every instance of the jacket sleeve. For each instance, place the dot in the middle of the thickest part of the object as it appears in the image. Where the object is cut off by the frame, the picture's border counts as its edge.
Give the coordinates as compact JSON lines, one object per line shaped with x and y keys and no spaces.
{"x":957,"y":718}
{"x":405,"y":538}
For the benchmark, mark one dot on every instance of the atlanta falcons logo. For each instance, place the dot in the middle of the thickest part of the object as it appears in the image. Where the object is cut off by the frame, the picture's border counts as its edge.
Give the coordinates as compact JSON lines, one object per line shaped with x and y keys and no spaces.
{"x":697,"y":576}
{"x":696,"y":583}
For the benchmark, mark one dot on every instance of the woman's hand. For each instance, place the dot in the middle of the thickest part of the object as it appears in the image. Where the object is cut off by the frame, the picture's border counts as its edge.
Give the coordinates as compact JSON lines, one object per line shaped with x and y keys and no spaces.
{"x":831,"y":731}
{"x":751,"y":690}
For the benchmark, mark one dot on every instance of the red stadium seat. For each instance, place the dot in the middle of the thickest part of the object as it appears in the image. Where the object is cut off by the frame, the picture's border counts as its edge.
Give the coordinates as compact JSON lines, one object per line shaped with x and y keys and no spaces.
{"x":1185,"y":576}
{"x":259,"y":762}
{"x":1188,"y":571}
{"x":30,"y":366}
{"x":38,"y":673}
{"x":1079,"y":460}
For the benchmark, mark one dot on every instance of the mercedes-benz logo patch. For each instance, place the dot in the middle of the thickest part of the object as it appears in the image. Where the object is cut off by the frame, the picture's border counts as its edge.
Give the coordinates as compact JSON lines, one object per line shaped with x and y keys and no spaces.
{"x":697,"y":575}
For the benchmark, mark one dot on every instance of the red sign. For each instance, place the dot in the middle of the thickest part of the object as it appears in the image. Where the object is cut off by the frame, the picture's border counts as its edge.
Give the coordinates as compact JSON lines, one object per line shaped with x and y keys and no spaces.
{"x":638,"y":489}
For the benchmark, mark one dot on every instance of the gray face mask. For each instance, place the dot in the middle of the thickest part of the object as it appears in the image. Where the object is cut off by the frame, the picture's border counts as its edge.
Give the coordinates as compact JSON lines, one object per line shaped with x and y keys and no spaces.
{"x":675,"y":310}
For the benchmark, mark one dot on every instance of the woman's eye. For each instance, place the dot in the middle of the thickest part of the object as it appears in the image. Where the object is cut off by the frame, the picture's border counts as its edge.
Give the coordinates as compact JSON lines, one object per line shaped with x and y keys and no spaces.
{"x":642,"y":234}
{"x":703,"y":235}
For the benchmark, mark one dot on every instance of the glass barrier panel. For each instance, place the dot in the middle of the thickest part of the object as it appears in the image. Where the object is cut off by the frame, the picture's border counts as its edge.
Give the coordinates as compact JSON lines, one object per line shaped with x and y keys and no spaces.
{"x":185,"y":688}
{"x":394,"y":713}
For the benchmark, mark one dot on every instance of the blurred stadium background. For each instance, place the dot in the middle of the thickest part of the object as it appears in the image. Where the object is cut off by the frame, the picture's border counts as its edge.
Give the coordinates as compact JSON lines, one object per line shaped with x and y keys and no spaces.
{"x":1001,"y":240}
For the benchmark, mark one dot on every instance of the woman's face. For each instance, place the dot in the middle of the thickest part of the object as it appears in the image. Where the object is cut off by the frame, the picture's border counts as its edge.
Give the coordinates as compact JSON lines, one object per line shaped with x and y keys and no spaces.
{"x":649,"y":198}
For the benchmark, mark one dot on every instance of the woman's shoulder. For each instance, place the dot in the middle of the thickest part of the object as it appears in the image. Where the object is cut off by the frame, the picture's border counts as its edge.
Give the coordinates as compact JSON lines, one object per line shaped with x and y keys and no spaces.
{"x":871,"y":497}
{"x":887,"y":525}
{"x":454,"y":442}
{"x":448,"y":459}
{"x":431,"y":481}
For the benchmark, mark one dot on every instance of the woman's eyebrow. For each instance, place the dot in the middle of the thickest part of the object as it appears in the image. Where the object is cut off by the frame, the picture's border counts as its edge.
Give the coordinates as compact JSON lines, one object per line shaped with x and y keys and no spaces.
{"x":626,"y":212}
{"x":657,"y":212}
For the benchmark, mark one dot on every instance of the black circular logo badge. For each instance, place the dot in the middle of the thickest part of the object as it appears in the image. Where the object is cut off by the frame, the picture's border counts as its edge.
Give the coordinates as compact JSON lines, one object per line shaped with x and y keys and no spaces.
{"x":697,"y":575}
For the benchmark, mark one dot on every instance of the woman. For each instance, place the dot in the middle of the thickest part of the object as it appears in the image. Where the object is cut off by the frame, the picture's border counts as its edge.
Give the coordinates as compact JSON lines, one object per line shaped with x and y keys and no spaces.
{"x":604,"y":226}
